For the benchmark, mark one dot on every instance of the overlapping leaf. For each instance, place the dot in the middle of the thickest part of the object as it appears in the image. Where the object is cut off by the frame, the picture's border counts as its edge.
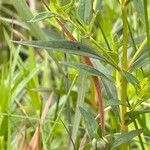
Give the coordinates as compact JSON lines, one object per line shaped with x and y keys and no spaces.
{"x":67,"y":47}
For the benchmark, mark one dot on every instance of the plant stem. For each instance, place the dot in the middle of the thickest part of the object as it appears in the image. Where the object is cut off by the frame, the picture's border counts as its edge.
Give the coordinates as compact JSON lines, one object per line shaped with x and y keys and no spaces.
{"x":147,"y":25}
{"x":123,"y":81}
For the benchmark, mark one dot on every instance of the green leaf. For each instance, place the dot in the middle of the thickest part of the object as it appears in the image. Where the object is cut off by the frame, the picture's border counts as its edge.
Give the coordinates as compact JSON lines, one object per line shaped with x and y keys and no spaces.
{"x":90,"y":123}
{"x":25,"y":81}
{"x":42,"y":16}
{"x":85,"y":10}
{"x":88,"y":69}
{"x":67,"y":47}
{"x":139,"y":8}
{"x":132,"y":115}
{"x":123,"y":138}
{"x":132,"y":79}
{"x":141,"y":61}
{"x":113,"y":102}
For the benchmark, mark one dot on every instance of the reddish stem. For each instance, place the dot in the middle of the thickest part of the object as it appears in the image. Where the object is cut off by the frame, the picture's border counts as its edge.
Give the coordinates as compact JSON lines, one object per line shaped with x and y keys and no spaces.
{"x":97,"y":83}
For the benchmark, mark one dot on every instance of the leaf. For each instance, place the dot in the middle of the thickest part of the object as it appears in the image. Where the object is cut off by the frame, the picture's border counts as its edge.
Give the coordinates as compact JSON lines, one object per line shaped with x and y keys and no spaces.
{"x":139,"y":8}
{"x":68,"y":47}
{"x":98,"y":5}
{"x":90,"y":123}
{"x":85,"y":10}
{"x":141,"y":61}
{"x":42,"y":16}
{"x":132,"y":79}
{"x":24,"y":82}
{"x":113,"y":102}
{"x":132,"y":115}
{"x":80,"y":99}
{"x":123,"y":138}
{"x":88,"y":69}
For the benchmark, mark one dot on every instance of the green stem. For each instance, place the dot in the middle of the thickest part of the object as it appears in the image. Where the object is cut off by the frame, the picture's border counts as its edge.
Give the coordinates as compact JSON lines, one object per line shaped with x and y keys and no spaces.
{"x":147,"y":24}
{"x":123,"y":82}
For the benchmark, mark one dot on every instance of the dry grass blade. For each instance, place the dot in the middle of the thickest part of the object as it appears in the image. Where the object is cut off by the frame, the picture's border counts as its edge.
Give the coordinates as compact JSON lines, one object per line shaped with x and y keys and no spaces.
{"x":18,"y":137}
{"x":35,"y":141}
{"x":46,"y":108}
{"x":25,"y":143}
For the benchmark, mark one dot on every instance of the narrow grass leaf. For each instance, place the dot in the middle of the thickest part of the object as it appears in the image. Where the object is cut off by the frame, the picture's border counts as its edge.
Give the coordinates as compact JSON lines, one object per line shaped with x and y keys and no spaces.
{"x":24,"y":82}
{"x":80,"y":100}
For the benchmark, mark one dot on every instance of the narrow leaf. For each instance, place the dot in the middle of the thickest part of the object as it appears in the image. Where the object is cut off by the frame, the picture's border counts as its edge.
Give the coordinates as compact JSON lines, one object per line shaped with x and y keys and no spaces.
{"x":90,"y":123}
{"x":88,"y":69}
{"x":132,"y":115}
{"x":42,"y":16}
{"x":85,"y":10}
{"x":67,"y":47}
{"x":112,"y":102}
{"x":139,"y":8}
{"x":123,"y":138}
{"x":132,"y":79}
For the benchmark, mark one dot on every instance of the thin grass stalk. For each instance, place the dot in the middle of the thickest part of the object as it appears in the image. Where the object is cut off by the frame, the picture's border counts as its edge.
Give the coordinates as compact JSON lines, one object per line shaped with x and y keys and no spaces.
{"x":61,"y":110}
{"x":80,"y":100}
{"x":123,"y":81}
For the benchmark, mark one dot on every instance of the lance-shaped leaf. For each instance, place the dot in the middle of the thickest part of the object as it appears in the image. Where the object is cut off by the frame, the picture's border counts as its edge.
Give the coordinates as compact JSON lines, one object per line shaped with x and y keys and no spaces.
{"x":42,"y":16}
{"x":67,"y":47}
{"x":132,"y":115}
{"x":139,"y":8}
{"x":88,"y":69}
{"x":85,"y":10}
{"x":132,"y":79}
{"x":90,"y":123}
{"x":123,"y":138}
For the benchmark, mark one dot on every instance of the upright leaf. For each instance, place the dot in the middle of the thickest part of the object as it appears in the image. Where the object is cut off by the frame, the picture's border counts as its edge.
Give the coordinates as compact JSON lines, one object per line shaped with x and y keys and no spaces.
{"x":139,"y":8}
{"x":85,"y":10}
{"x":90,"y":123}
